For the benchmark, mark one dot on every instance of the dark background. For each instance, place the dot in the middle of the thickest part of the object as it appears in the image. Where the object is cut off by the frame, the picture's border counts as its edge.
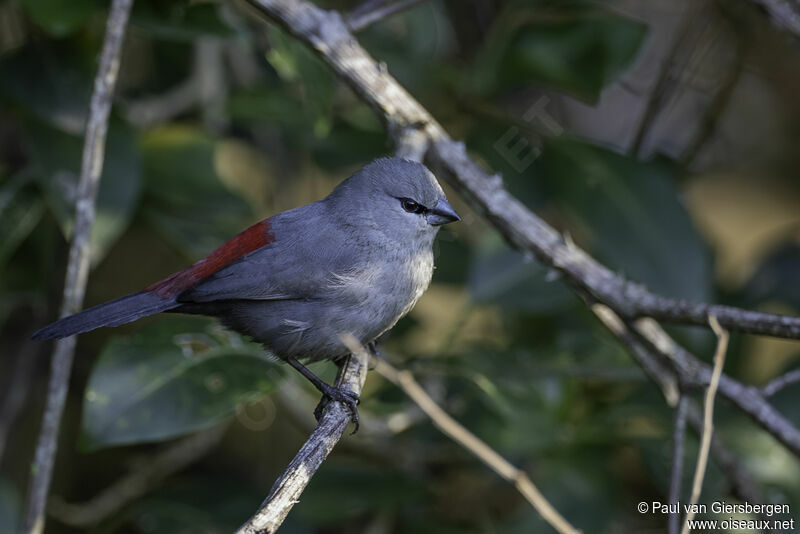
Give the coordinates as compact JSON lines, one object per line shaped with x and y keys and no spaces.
{"x":662,"y":136}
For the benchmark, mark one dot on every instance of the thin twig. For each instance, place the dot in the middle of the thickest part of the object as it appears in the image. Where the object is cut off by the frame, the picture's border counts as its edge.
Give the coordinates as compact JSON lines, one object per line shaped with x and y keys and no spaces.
{"x":458,"y":433}
{"x":777,"y":384}
{"x":676,"y":475}
{"x":373,"y":11}
{"x":78,"y":266}
{"x":708,"y":419}
{"x":330,"y":428}
{"x":141,"y":479}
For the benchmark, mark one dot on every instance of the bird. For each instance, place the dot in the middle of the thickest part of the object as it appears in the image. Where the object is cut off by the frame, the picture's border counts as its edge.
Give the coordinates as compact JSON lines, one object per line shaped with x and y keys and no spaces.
{"x":354,"y":262}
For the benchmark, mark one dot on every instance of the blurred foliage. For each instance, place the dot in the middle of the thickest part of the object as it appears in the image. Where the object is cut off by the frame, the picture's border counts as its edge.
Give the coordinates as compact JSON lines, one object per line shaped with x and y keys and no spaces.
{"x":169,"y":380}
{"x":9,"y":507}
{"x":219,"y":121}
{"x":577,"y":48}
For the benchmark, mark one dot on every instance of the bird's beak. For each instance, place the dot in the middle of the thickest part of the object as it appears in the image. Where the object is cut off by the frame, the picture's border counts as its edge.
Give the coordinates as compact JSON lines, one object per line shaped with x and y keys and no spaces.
{"x":442,"y":213}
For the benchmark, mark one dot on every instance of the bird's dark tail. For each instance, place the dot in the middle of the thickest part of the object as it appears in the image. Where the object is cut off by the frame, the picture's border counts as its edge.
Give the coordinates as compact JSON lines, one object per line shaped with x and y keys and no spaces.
{"x":114,"y":313}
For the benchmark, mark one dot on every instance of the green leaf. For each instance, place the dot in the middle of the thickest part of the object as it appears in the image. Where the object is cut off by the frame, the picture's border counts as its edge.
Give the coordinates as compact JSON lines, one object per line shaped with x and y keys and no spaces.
{"x":168,"y":380}
{"x":59,"y":18}
{"x":575,"y":49}
{"x":294,"y":63}
{"x":9,"y":507}
{"x":49,"y":82}
{"x":57,"y":157}
{"x":631,"y":215}
{"x":198,"y":504}
{"x":184,"y":197}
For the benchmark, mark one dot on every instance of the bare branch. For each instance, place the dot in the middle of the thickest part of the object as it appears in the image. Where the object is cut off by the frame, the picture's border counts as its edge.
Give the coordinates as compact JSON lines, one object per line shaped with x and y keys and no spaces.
{"x":458,"y":433}
{"x":374,"y":11}
{"x":708,"y":419}
{"x":330,"y":428}
{"x":783,"y":13}
{"x":141,"y":479}
{"x":777,"y":384}
{"x":678,"y":441}
{"x":78,"y":266}
{"x":411,"y":144}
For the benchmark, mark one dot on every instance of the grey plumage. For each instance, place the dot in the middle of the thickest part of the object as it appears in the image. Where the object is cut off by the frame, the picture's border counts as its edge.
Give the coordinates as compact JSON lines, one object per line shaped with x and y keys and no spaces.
{"x":354,"y":262}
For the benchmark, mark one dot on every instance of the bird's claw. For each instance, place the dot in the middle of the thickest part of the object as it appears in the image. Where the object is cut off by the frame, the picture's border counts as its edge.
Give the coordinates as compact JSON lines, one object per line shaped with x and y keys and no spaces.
{"x":350,"y":399}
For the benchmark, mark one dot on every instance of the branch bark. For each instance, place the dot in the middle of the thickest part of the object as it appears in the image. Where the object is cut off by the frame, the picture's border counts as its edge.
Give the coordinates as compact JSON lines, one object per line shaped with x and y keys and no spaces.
{"x":783,"y":13}
{"x":330,"y":428}
{"x":78,"y":265}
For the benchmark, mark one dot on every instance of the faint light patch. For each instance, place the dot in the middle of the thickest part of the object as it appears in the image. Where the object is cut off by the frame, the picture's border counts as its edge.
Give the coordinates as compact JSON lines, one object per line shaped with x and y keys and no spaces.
{"x":256,"y":416}
{"x":192,"y":344}
{"x":215,"y":383}
{"x":96,"y":397}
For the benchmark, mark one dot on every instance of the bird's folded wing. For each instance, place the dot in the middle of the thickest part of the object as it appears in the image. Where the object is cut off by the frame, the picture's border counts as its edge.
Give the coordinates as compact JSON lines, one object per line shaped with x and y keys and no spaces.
{"x":299,"y":264}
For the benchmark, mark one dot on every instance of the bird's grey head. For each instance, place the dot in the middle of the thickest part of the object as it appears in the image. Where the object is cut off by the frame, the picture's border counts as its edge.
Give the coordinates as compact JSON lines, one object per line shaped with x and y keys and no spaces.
{"x":396,"y":196}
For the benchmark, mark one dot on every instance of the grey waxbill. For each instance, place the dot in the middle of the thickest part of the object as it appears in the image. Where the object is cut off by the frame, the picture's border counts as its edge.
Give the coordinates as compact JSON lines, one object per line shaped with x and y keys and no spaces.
{"x":354,"y":262}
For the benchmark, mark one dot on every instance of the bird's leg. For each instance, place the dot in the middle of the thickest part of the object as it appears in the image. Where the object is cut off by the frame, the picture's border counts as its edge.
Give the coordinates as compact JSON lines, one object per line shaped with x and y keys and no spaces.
{"x":329,"y":393}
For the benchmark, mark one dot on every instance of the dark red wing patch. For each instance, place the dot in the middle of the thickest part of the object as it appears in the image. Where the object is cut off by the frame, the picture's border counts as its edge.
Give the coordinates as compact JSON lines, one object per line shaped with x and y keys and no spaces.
{"x":245,"y":242}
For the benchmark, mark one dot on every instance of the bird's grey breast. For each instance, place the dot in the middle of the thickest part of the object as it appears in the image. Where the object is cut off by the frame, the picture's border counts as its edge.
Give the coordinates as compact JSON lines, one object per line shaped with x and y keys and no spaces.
{"x":383,"y":288}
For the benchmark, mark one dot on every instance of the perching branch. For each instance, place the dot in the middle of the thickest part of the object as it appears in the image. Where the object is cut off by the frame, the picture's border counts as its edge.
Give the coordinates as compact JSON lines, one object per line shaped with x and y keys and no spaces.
{"x":777,"y":384}
{"x":330,"y":428}
{"x":78,"y":265}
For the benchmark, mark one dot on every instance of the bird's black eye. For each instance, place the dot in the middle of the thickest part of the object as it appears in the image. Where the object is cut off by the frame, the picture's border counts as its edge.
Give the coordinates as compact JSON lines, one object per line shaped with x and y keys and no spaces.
{"x":411,"y":206}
